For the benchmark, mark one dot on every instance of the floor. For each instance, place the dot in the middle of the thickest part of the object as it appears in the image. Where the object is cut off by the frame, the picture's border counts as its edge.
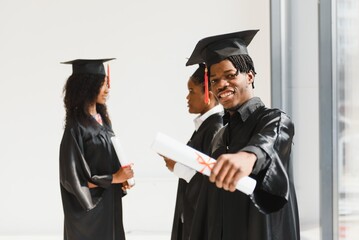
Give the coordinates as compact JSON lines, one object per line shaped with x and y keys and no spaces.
{"x":306,"y":235}
{"x":133,"y":236}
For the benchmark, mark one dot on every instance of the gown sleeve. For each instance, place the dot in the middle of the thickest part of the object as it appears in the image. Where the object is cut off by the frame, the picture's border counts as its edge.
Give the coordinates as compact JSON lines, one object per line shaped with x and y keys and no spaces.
{"x":272,"y":145}
{"x":75,"y":172}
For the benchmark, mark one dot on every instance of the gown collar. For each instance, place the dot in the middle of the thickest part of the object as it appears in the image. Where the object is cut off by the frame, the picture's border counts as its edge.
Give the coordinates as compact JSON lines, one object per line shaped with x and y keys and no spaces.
{"x":245,"y":110}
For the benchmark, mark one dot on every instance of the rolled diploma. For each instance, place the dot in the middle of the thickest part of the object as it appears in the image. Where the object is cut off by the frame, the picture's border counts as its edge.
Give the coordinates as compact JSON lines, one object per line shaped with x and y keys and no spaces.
{"x":122,"y":157}
{"x":194,"y":159}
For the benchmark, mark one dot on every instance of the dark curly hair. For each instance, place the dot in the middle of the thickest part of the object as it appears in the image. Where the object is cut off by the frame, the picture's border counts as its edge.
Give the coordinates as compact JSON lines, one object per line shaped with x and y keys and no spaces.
{"x":80,"y":91}
{"x":198,"y":76}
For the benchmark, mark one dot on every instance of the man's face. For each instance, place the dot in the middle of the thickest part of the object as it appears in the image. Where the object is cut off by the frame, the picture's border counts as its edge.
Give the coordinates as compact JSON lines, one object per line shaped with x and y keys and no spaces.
{"x":230,"y":87}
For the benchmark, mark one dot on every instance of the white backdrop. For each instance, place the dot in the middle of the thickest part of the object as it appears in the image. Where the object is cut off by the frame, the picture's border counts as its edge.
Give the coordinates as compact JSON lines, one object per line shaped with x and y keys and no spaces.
{"x":151,"y":41}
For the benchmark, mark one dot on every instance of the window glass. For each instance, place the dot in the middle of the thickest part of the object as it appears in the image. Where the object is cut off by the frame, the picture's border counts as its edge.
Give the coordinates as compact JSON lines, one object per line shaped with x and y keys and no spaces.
{"x":347,"y":40}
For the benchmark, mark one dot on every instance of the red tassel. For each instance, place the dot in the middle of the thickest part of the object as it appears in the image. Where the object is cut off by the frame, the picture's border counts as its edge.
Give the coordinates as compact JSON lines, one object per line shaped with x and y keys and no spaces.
{"x":108,"y":76}
{"x":206,"y":94}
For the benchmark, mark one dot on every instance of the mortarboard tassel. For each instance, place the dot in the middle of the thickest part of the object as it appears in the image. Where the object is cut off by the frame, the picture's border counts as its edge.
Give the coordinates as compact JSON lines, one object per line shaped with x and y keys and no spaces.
{"x":108,"y":76}
{"x":206,"y":95}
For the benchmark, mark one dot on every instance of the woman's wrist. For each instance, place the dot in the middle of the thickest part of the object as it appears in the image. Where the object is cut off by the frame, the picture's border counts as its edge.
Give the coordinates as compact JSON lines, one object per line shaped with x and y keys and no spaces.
{"x":114,"y":179}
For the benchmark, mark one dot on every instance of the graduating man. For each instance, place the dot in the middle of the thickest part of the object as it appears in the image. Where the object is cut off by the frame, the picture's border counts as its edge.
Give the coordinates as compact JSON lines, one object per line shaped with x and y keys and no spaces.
{"x":256,"y":141}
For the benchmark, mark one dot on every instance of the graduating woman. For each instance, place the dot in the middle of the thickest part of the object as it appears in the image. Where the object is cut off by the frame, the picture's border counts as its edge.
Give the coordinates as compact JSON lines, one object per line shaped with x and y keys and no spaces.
{"x":92,"y":179}
{"x":207,"y":124}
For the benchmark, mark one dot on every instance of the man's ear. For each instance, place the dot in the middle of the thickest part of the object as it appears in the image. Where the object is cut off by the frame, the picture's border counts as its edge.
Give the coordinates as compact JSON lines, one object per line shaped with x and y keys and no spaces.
{"x":250,"y":77}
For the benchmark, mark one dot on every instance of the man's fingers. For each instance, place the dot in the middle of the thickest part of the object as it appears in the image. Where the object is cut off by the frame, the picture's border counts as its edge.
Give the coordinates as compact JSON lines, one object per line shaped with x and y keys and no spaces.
{"x":223,"y":174}
{"x":229,"y":178}
{"x":216,"y":168}
{"x":235,"y":179}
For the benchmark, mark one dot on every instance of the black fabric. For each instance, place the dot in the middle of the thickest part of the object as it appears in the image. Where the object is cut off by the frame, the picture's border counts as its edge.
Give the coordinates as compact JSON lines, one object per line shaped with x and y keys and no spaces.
{"x":199,"y":73}
{"x":271,"y":211}
{"x":87,"y":155}
{"x":91,"y":66}
{"x":214,"y":49}
{"x":187,"y":193}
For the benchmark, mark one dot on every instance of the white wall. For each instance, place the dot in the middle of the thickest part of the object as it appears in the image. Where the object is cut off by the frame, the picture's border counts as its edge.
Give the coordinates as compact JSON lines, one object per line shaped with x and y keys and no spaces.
{"x":151,"y":41}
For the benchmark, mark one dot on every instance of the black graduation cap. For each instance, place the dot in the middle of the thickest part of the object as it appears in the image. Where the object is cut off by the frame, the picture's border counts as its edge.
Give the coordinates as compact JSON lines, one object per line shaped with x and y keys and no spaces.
{"x":214,"y":49}
{"x":93,"y":66}
{"x":199,"y":73}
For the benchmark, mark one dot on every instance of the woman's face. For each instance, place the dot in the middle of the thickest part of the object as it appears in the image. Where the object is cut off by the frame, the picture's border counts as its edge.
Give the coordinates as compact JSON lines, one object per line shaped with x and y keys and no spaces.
{"x":231,"y":89}
{"x":104,"y":92}
{"x":195,"y":98}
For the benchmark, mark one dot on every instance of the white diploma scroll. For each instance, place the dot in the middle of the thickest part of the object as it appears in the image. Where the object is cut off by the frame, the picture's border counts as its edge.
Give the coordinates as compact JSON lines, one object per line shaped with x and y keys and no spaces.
{"x":122,"y":157}
{"x":179,"y":152}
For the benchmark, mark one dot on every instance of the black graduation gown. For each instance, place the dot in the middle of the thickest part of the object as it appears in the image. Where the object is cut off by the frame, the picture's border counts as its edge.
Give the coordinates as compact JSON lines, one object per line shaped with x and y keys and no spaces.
{"x":87,"y":155}
{"x":187,"y":193}
{"x":271,"y":212}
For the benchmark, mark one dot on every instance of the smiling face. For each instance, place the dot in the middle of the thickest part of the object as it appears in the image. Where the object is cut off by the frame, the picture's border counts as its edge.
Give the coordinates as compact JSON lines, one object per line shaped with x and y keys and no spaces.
{"x":104,"y":92}
{"x":230,"y":87}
